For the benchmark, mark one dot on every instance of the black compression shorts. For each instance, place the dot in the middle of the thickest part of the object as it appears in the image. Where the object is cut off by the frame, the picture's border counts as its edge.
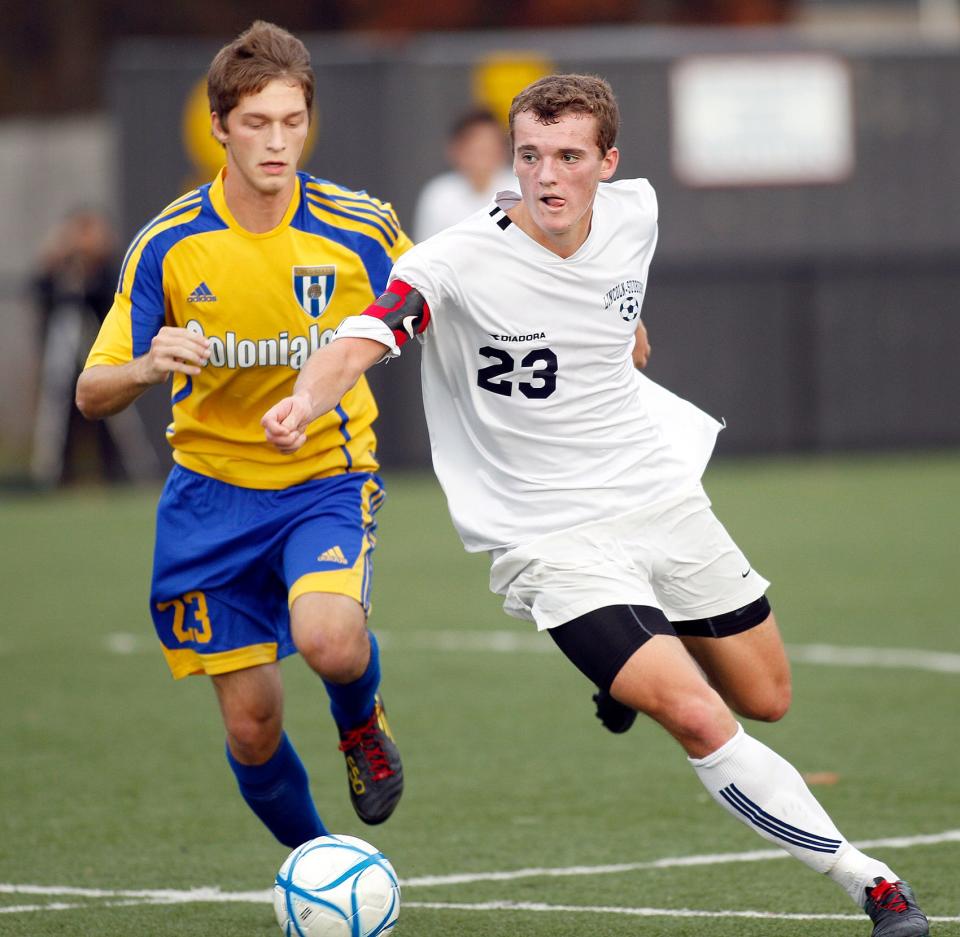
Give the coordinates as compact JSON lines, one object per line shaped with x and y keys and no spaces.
{"x":602,"y":641}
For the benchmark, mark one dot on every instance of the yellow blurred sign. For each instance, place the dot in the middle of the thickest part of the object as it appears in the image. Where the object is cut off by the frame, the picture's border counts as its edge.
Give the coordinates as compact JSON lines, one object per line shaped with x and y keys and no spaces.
{"x":499,"y":77}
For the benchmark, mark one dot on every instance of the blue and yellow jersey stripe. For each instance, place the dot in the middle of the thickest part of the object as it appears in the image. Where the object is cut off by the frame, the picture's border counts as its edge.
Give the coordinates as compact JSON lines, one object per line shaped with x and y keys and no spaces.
{"x":358,"y":207}
{"x":265,"y":301}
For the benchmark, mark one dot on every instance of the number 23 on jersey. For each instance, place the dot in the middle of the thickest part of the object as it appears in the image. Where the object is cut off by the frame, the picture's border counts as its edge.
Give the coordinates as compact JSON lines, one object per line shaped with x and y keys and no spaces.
{"x":540,"y":362}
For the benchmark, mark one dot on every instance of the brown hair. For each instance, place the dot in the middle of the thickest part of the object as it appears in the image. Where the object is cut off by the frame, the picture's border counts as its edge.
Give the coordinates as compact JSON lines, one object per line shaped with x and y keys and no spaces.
{"x":259,"y":55}
{"x":550,"y":98}
{"x":475,"y":117}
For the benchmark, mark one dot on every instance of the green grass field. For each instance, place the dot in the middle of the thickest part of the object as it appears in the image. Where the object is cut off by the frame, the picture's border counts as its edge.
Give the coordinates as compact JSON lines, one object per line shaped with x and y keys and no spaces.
{"x":116,"y":798}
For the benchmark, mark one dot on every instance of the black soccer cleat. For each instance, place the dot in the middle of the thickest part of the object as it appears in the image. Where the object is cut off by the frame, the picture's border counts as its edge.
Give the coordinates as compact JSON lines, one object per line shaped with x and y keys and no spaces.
{"x":374,"y":771}
{"x":615,"y":716}
{"x":894,"y":911}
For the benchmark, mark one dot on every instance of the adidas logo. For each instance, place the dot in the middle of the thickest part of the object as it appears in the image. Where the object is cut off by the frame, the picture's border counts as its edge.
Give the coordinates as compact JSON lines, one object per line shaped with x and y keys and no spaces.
{"x":333,"y":555}
{"x":202,"y":294}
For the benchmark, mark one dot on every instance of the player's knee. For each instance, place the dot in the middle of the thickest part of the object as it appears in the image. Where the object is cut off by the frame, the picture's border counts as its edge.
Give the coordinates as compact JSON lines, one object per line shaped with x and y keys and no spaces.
{"x":770,"y":706}
{"x":336,"y":655}
{"x":699,"y":719}
{"x":696,"y":720}
{"x":767,"y":701}
{"x":331,"y":635}
{"x":254,"y":735}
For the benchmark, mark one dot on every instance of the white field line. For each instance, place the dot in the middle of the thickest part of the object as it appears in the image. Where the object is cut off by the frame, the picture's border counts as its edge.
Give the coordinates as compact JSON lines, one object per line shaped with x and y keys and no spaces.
{"x":500,"y":906}
{"x":641,"y":912}
{"x":532,"y":642}
{"x":724,"y":858}
{"x":121,"y":897}
{"x":895,"y":658}
{"x":159,"y":895}
{"x":68,"y":906}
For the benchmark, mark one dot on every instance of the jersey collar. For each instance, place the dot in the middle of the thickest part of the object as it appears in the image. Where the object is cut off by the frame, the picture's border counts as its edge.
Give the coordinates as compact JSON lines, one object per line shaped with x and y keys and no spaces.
{"x":219,"y":203}
{"x":522,"y":241}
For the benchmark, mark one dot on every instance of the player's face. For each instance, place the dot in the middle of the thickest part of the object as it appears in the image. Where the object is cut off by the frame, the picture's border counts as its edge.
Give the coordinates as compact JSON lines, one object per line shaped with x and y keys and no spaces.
{"x":264,"y":136}
{"x":479,"y":153}
{"x":559,"y":167}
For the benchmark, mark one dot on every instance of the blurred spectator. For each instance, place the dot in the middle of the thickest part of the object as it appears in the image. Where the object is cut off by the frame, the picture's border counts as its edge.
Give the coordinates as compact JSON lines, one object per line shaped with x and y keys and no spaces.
{"x":477,"y":151}
{"x":77,"y":263}
{"x":73,"y":289}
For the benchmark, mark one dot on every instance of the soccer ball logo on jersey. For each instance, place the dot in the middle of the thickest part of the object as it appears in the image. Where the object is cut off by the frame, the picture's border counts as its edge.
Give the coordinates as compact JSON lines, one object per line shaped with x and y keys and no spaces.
{"x":630,"y":308}
{"x":626,"y":298}
{"x":313,"y":287}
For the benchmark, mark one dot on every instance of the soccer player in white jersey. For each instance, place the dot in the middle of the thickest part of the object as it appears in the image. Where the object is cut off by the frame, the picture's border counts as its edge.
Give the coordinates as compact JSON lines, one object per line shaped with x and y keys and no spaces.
{"x":582,"y":478}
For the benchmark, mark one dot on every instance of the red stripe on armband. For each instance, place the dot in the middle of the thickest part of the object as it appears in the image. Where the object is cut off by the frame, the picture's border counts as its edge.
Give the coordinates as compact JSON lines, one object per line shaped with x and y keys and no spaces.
{"x":403,"y":309}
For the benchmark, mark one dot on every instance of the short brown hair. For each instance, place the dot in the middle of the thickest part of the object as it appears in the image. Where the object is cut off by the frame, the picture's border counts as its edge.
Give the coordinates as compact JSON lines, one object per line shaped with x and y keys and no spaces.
{"x":550,"y":98}
{"x":255,"y":58}
{"x":475,"y":117}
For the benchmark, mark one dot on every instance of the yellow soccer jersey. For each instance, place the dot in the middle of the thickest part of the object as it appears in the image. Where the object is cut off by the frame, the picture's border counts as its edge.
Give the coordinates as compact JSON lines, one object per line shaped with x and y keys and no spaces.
{"x":265,"y":301}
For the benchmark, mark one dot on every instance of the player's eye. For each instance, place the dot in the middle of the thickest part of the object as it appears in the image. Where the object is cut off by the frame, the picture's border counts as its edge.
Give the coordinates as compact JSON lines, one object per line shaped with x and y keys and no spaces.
{"x":570,"y":157}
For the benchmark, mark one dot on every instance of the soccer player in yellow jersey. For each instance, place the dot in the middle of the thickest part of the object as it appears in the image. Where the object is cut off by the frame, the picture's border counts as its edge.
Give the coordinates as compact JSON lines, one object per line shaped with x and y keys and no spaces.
{"x":258,"y":555}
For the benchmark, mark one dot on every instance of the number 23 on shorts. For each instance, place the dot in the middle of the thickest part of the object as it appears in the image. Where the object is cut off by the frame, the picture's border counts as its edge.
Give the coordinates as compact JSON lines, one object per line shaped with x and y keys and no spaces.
{"x":198,"y":629}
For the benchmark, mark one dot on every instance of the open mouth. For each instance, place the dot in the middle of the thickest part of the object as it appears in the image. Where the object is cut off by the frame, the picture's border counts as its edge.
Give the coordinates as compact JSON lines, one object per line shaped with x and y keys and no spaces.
{"x":273,"y":167}
{"x":553,"y":201}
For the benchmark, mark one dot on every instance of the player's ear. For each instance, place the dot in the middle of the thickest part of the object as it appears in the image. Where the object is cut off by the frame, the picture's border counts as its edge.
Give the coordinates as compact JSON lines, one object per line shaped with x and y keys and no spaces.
{"x":609,"y":162}
{"x":217,"y":129}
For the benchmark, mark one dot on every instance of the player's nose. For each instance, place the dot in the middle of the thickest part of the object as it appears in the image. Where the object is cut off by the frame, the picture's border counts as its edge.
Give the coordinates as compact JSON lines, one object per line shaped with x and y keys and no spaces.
{"x":547,"y":172}
{"x":276,"y":140}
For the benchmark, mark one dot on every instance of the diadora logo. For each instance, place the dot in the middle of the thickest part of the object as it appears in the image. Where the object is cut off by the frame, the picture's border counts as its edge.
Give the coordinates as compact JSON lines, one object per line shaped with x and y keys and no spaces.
{"x":529,"y":337}
{"x":333,"y":555}
{"x":202,"y":294}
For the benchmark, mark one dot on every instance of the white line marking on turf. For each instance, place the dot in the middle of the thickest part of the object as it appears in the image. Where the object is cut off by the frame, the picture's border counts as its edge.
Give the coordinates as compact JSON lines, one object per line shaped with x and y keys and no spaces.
{"x":827,"y":654}
{"x":67,"y":906}
{"x":759,"y":855}
{"x":639,"y":912}
{"x":898,"y":658}
{"x":122,"y":897}
{"x":533,"y":642}
{"x":122,"y":642}
{"x":172,"y":895}
{"x":264,"y":898}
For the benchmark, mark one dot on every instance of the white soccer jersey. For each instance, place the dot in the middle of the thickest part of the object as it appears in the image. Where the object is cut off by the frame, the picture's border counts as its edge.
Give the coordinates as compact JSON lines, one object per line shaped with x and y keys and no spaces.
{"x":538,"y":419}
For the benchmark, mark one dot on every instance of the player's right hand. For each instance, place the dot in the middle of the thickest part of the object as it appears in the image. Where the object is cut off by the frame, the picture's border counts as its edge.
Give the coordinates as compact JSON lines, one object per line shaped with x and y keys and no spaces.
{"x":174,"y":349}
{"x":285,"y":423}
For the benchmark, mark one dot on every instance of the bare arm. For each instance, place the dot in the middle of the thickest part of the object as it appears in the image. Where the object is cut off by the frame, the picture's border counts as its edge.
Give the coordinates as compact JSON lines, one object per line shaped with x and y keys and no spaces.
{"x":641,"y":347}
{"x":328,"y":374}
{"x":105,"y":389}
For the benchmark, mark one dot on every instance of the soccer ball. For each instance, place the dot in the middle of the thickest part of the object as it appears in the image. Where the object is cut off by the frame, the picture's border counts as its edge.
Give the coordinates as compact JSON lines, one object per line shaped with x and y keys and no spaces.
{"x":336,"y":886}
{"x":630,"y":309}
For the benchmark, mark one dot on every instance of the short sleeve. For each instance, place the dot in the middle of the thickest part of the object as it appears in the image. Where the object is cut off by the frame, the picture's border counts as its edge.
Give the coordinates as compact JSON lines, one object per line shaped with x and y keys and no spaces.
{"x":114,"y":344}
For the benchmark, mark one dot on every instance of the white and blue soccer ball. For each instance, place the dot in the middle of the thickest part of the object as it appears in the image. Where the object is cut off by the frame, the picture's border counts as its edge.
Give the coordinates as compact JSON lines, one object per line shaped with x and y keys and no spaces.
{"x":336,"y":886}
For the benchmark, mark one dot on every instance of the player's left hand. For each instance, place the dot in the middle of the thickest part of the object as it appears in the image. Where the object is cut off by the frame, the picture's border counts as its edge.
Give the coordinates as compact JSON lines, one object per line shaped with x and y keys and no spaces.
{"x":641,"y":347}
{"x":285,"y":423}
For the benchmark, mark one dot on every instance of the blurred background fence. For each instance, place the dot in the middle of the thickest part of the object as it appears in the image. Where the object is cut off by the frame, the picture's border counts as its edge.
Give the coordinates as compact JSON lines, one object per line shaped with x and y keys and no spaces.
{"x":806,"y":280}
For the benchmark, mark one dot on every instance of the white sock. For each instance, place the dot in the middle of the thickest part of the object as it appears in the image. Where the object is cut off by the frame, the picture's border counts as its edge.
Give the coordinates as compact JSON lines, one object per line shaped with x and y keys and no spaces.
{"x":768,"y":794}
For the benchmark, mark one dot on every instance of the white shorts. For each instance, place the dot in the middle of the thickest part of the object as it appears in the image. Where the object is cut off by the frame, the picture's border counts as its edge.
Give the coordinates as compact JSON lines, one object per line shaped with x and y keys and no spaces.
{"x":675,"y":556}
